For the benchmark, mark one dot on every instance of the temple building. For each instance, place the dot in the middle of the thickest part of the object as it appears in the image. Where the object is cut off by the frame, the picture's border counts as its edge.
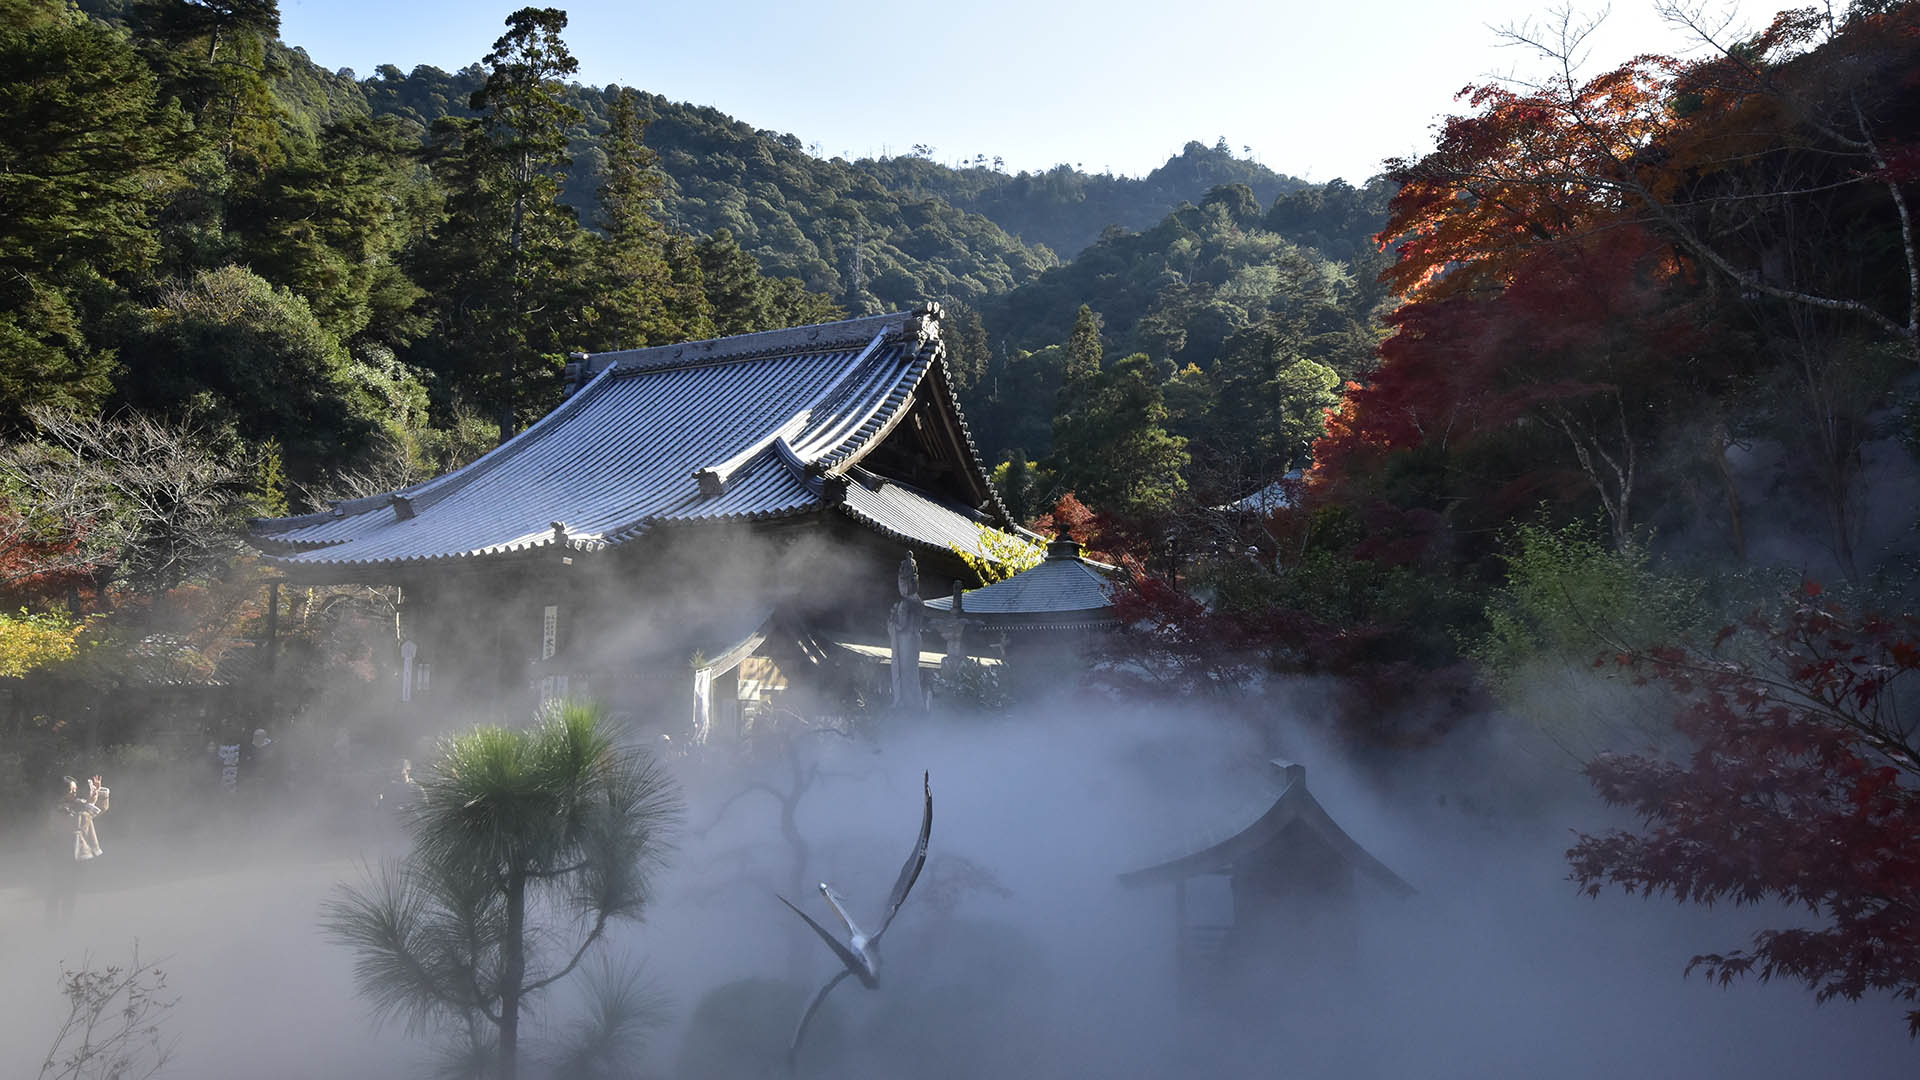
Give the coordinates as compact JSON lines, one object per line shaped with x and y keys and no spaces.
{"x":697,"y":532}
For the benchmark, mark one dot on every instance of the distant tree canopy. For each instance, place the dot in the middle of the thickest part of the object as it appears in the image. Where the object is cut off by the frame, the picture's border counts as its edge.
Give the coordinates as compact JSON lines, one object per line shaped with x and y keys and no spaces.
{"x":1237,"y":341}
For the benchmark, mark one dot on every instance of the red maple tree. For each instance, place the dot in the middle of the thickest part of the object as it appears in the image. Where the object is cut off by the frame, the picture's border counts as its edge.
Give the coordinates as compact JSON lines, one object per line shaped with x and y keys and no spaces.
{"x":1799,"y":788}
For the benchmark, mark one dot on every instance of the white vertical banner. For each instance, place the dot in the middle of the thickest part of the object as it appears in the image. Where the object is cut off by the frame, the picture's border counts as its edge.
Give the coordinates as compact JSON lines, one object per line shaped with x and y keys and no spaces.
{"x":549,"y":631}
{"x":407,"y":652}
{"x":702,"y":704}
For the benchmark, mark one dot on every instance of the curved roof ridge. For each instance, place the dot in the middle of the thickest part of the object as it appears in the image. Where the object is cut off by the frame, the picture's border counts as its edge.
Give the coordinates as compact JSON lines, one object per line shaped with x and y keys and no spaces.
{"x":819,"y":337}
{"x":882,"y":418}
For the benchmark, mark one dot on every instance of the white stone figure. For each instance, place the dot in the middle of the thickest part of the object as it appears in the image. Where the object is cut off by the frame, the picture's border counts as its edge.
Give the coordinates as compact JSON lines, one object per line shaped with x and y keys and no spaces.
{"x":903,"y":628}
{"x":952,"y":628}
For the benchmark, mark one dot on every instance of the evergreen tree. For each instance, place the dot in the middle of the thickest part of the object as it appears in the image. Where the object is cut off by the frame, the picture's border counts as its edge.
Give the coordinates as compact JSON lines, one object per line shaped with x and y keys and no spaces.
{"x":1117,"y":454}
{"x":1272,"y":394}
{"x":1075,"y":454}
{"x":1014,"y":478}
{"x":84,"y":158}
{"x":258,"y":359}
{"x":967,"y":349}
{"x":641,"y":296}
{"x":744,"y":300}
{"x":504,"y":267}
{"x":528,"y":845}
{"x":330,"y":223}
{"x":212,"y":59}
{"x":1083,"y":348}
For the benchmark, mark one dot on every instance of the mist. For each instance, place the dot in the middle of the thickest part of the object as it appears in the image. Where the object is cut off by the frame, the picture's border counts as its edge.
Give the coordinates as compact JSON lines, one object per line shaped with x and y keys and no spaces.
{"x":1019,"y":953}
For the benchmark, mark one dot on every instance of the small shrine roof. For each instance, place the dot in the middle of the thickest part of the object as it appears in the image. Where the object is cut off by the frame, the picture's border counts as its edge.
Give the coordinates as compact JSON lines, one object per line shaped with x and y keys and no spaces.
{"x":746,"y":428}
{"x":1064,"y":583}
{"x":1295,"y":805}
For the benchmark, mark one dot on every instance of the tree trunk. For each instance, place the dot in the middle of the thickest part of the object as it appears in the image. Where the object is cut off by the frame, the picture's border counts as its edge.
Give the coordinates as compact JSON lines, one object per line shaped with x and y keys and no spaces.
{"x":509,"y":422}
{"x":1717,"y":453}
{"x":513,"y":976}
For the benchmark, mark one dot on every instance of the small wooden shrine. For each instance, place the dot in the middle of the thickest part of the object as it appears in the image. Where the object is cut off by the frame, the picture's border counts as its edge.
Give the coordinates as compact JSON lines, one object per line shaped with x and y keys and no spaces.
{"x":1279,"y":888}
{"x":1046,"y":617}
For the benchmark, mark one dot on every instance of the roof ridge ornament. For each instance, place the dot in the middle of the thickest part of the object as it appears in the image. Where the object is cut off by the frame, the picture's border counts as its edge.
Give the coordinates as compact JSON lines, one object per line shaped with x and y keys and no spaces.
{"x":1294,"y":772}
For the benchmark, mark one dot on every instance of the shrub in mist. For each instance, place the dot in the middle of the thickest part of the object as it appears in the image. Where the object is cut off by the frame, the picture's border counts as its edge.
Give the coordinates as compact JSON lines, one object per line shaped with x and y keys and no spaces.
{"x":740,"y":1028}
{"x":526,"y":845}
{"x":1569,"y":598}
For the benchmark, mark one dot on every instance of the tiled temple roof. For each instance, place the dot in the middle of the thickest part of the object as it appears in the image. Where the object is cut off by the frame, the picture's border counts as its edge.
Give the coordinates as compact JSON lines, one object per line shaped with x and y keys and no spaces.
{"x":746,"y":428}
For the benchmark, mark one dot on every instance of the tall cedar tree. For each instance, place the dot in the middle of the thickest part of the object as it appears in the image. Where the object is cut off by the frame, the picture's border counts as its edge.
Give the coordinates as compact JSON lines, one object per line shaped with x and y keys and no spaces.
{"x":1075,"y":456}
{"x":744,"y":300}
{"x":330,"y":223}
{"x":211,"y":59}
{"x":649,"y":290}
{"x":504,"y":266}
{"x":1124,"y":423}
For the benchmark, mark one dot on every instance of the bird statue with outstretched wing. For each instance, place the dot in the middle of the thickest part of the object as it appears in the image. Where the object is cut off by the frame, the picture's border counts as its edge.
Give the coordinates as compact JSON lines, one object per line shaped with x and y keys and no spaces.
{"x":860,"y":955}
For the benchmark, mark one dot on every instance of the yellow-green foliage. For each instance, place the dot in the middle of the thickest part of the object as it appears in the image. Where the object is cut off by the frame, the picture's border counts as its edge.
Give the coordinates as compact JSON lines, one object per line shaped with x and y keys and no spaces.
{"x":1001,"y":555}
{"x":30,"y":641}
{"x":1569,"y":597}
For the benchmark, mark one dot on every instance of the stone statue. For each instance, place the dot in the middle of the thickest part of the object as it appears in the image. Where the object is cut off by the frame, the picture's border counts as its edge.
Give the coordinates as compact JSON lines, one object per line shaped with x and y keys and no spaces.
{"x":903,"y":630}
{"x":952,"y":628}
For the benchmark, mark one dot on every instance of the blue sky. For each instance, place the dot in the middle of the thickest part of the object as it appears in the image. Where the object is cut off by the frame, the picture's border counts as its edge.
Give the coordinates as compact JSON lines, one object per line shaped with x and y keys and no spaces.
{"x":1315,"y":89}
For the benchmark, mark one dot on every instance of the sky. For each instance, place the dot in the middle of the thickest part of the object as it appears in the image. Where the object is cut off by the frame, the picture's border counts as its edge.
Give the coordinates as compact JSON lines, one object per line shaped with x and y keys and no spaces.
{"x":1318,"y":90}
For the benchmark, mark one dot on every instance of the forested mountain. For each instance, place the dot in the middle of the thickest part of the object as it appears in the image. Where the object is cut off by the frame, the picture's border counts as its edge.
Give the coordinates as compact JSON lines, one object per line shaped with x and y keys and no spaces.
{"x":872,"y":233}
{"x":1068,"y":210}
{"x":833,"y":225}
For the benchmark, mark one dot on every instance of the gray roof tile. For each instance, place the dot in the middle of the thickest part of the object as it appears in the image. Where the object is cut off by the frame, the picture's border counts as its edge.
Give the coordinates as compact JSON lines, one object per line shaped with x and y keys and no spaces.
{"x":738,"y":428}
{"x":1056,"y":586}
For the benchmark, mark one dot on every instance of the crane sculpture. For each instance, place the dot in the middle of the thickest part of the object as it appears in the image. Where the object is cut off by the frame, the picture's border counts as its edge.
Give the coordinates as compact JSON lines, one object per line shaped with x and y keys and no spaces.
{"x":860,"y":955}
